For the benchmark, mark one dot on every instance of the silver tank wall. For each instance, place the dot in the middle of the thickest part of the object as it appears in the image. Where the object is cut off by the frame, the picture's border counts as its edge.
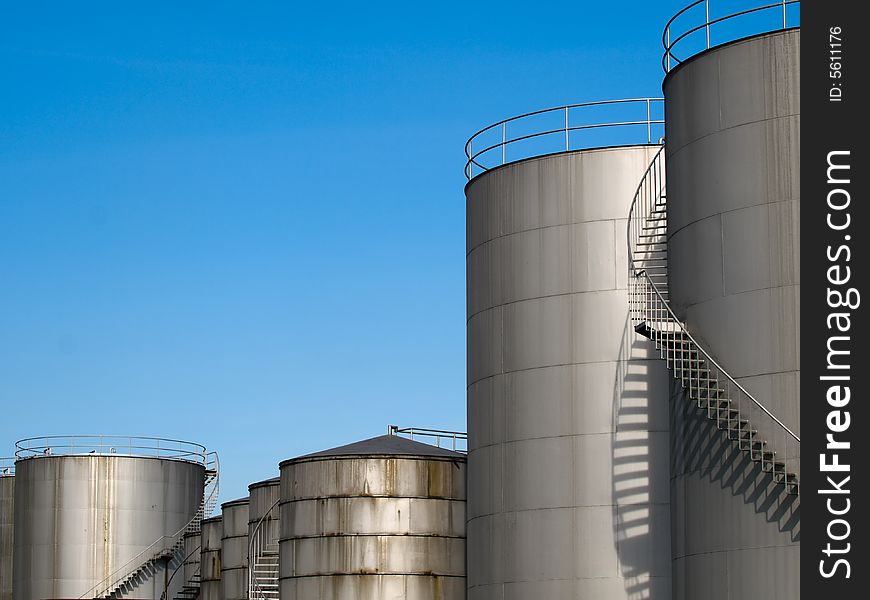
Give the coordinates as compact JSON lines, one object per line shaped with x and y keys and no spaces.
{"x":733,"y":152}
{"x":192,"y":550}
{"x":371,"y":528}
{"x":263,"y":505}
{"x":79,"y":518}
{"x":210,"y":559}
{"x":234,"y":550}
{"x":7,"y":497}
{"x":567,"y":408}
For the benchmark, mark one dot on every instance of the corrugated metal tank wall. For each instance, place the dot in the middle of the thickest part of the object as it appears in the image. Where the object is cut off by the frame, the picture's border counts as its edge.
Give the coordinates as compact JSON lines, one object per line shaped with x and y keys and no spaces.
{"x":567,"y":408}
{"x":733,"y":152}
{"x":264,"y":505}
{"x":210,"y":559}
{"x":79,"y":518}
{"x":192,"y":551}
{"x":374,"y":523}
{"x":234,"y":550}
{"x":7,"y":518}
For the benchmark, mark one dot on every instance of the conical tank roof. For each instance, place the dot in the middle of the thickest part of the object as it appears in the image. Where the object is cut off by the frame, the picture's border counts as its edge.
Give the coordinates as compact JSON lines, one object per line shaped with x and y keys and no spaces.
{"x":384,"y":445}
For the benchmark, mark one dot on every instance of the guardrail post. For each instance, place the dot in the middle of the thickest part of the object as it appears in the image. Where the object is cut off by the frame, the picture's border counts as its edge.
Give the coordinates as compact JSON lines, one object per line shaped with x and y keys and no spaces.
{"x":503,"y":140}
{"x":470,"y":167}
{"x":648,"y":123}
{"x":668,"y":44}
{"x":707,"y":21}
{"x":784,"y":16}
{"x":566,"y":129}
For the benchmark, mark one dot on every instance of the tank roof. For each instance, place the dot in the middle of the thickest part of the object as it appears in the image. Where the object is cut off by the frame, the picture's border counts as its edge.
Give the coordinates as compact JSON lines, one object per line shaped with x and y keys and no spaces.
{"x":236,"y":502}
{"x":266,"y":482}
{"x":384,"y":445}
{"x":215,"y":519}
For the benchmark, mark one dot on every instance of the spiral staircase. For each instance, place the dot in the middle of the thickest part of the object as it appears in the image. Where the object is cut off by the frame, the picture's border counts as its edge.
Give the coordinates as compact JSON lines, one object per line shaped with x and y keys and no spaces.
{"x":746,"y":422}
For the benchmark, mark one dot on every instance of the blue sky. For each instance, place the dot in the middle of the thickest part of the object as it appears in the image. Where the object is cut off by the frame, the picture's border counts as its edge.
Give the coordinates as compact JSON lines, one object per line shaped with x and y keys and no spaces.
{"x":243,"y":223}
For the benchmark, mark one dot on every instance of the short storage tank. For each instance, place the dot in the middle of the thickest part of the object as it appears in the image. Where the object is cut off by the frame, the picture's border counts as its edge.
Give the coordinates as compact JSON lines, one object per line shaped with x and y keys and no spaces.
{"x":210,"y":559}
{"x":7,"y":497}
{"x":381,"y":518}
{"x":234,"y":550}
{"x":102,"y":515}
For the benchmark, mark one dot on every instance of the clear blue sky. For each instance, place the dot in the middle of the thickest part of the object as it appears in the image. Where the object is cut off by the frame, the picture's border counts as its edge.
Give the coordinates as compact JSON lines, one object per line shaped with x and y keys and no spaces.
{"x":243,"y":223}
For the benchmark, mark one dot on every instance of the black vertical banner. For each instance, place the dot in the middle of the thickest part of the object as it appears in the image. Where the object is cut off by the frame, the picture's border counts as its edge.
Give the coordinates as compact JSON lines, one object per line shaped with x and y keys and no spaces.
{"x":835,"y":235}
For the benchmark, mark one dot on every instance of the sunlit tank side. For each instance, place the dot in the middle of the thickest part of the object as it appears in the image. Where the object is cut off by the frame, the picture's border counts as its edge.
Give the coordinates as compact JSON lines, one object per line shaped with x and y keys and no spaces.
{"x":733,"y":177}
{"x":263,"y":511}
{"x":192,"y":552}
{"x":7,"y":518}
{"x":382,"y":518}
{"x":567,"y":406}
{"x":210,"y":559}
{"x":81,"y":519}
{"x":234,"y":550}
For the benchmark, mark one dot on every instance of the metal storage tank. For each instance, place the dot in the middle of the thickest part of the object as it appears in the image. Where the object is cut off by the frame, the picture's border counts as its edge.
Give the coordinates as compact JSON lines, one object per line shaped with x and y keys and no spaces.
{"x":234,"y":550}
{"x":190,"y":568}
{"x":102,"y":514}
{"x":7,"y":497}
{"x":567,"y":407}
{"x":733,"y":154}
{"x":210,"y":559}
{"x":263,"y":534}
{"x":380,"y":519}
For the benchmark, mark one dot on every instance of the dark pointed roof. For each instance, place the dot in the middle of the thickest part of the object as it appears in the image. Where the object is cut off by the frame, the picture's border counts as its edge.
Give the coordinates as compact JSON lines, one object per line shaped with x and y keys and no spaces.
{"x":386,"y":445}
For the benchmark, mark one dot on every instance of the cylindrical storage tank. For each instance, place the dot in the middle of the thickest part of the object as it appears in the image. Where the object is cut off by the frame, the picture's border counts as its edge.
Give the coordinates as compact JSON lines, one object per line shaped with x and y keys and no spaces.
{"x":86,"y":522}
{"x":379,"y":519}
{"x":234,"y":550}
{"x":192,"y":549}
{"x":733,"y":155}
{"x":567,"y":405}
{"x":7,"y":504}
{"x":263,"y":532}
{"x":263,"y":515}
{"x":210,"y":559}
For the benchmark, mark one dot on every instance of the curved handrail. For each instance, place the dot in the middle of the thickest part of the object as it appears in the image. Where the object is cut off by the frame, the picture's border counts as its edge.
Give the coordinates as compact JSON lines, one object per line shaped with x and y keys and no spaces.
{"x":118,"y":445}
{"x":456,"y":437}
{"x":707,"y":356}
{"x":635,"y":221}
{"x":175,"y":571}
{"x":253,"y":585}
{"x":669,"y":42}
{"x":477,"y":158}
{"x":119,"y":574}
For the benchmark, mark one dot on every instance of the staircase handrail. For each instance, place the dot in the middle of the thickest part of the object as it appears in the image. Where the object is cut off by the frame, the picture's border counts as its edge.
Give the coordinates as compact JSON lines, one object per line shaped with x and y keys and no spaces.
{"x":253,"y":586}
{"x":707,"y":356}
{"x":175,"y":571}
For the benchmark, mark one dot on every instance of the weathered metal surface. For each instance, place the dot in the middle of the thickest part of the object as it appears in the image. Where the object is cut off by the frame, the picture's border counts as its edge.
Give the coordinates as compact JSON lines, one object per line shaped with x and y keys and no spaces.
{"x":234,"y":550}
{"x":210,"y":559}
{"x":373,"y":526}
{"x":78,"y":519}
{"x":192,"y":552}
{"x":733,"y":156}
{"x":567,"y":406}
{"x":7,"y":503}
{"x":264,"y":505}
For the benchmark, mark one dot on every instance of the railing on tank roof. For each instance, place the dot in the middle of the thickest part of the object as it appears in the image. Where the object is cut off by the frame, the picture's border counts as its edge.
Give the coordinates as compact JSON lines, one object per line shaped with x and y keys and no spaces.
{"x":453,"y":440}
{"x":119,"y":445}
{"x":640,"y":117}
{"x":701,"y":17}
{"x":7,"y":466}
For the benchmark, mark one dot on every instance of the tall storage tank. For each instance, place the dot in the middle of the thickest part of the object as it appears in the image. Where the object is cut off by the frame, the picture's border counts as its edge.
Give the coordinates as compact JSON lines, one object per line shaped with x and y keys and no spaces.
{"x":567,"y":407}
{"x":210,"y":558}
{"x":263,"y":533}
{"x":234,"y":550}
{"x":380,"y":519}
{"x":733,"y":152}
{"x":7,"y":504}
{"x":100,"y":515}
{"x":190,"y":569}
